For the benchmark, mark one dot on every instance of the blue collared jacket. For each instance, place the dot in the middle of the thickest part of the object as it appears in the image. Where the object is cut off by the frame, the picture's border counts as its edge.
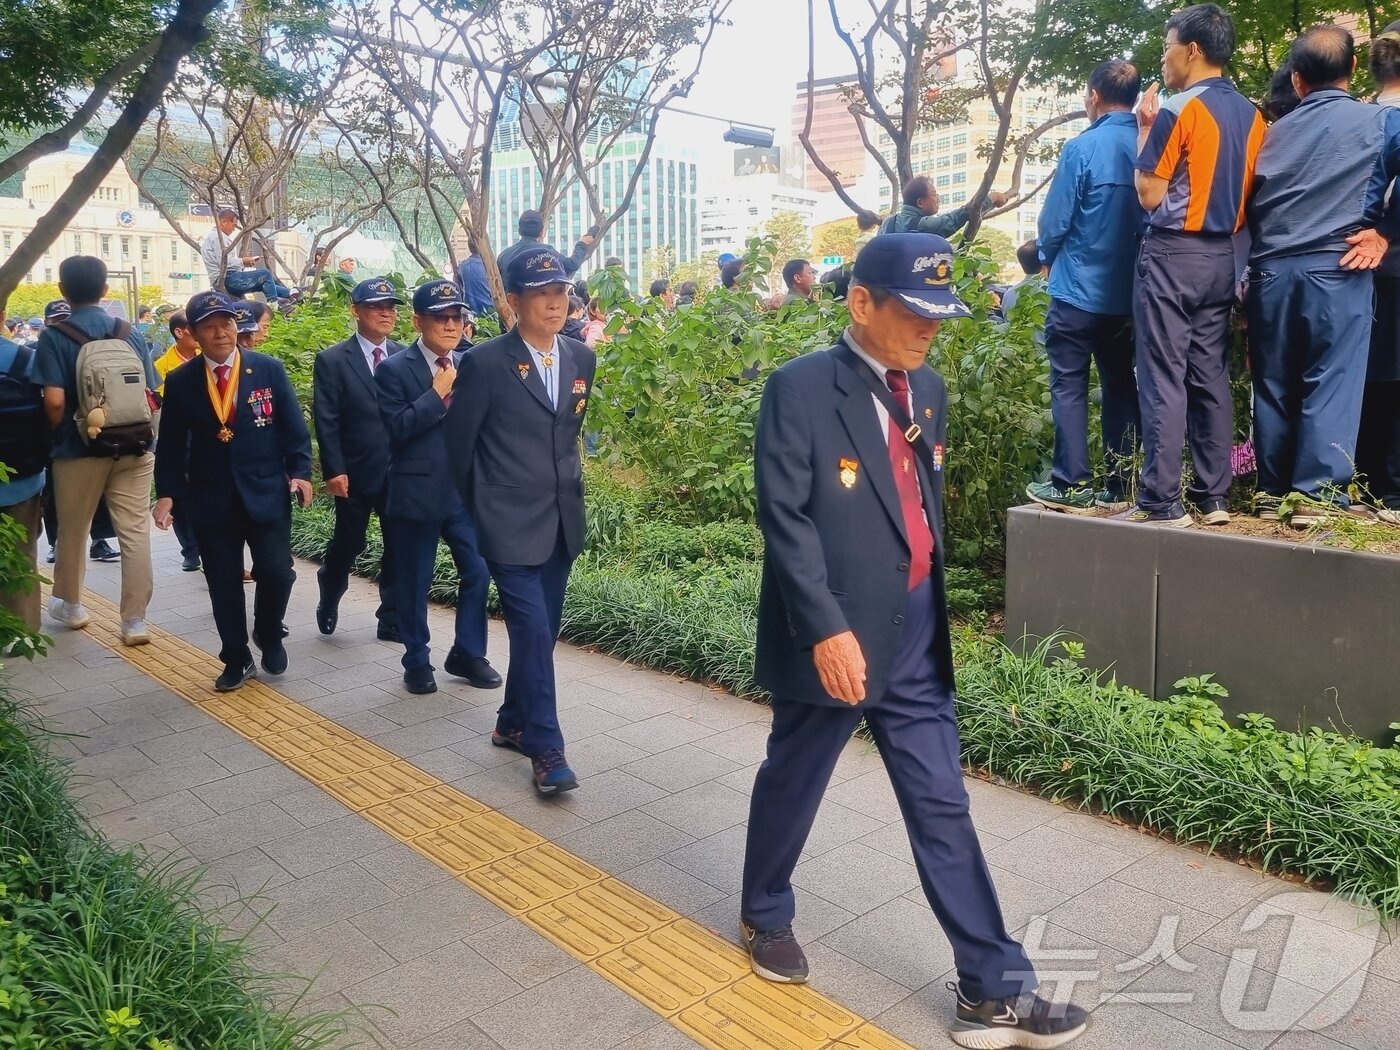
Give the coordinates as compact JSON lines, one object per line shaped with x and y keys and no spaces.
{"x":1091,"y":223}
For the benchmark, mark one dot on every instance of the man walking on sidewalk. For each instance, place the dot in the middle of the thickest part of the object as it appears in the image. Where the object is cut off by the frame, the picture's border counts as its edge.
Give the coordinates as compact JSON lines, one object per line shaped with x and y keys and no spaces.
{"x":233,"y":445}
{"x":853,"y":624}
{"x":83,"y":472}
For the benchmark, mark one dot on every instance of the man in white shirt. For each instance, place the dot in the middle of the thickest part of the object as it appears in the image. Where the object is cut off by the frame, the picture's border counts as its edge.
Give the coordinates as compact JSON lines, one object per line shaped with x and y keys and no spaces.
{"x":235,"y":274}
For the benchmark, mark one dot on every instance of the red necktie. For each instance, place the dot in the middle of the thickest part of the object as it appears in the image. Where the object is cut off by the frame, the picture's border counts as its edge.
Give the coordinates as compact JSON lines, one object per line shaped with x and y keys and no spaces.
{"x":906,"y":481}
{"x":222,"y":371}
{"x":442,"y":363}
{"x":378,"y":357}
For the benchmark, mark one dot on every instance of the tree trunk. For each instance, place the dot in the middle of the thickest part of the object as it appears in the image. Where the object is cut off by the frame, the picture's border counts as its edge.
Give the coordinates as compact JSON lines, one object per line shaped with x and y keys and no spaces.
{"x":185,"y":31}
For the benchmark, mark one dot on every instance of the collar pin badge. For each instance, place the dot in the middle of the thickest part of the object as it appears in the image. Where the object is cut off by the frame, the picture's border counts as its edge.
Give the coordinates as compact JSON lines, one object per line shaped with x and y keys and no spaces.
{"x":523,"y":369}
{"x":928,"y":413}
{"x":848,"y":472}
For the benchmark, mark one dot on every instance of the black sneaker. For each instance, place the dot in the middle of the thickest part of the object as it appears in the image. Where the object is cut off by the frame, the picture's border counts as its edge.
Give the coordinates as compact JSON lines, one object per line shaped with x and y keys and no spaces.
{"x":388,"y":632}
{"x":189,"y":563}
{"x":234,"y":676}
{"x":1213,"y":511}
{"x":552,"y":773}
{"x":1174,"y":517}
{"x":101,"y":550}
{"x":274,"y":657}
{"x":1024,"y":1020}
{"x":477,"y":670}
{"x":775,"y":954}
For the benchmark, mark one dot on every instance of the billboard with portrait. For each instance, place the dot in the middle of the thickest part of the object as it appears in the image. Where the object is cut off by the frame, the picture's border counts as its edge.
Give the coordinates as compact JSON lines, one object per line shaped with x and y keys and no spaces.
{"x":758,"y":160}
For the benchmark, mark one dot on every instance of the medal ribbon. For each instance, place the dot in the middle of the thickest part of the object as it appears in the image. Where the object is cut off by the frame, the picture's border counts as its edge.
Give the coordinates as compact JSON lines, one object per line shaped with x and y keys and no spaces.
{"x":223,"y":403}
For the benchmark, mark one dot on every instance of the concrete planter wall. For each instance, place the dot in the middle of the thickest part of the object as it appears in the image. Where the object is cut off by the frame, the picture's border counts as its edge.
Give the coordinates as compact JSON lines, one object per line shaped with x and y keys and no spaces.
{"x":1308,"y":635}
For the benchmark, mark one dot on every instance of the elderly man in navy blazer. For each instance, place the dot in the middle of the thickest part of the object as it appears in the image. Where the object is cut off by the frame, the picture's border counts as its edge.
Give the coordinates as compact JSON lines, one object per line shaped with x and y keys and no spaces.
{"x":354,"y":448}
{"x":414,"y":390}
{"x":517,"y":413}
{"x":233,"y":453}
{"x":853,"y":624}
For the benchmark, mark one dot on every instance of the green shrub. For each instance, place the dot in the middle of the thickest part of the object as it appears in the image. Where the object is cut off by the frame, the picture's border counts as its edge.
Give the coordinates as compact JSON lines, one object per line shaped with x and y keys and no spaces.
{"x":99,"y":950}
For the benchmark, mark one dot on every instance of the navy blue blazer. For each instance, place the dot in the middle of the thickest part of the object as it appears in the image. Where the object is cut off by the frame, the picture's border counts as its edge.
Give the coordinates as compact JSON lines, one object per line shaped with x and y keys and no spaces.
{"x":203,"y":475}
{"x":350,"y":434}
{"x":420,"y":482}
{"x":836,"y":557}
{"x":516,"y":458}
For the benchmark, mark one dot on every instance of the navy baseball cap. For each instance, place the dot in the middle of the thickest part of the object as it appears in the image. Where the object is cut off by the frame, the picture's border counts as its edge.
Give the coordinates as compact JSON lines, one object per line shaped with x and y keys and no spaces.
{"x":535,"y":268}
{"x":204,"y":305}
{"x":243,"y":317}
{"x":34,"y":322}
{"x":915,"y":267}
{"x":436,"y":296}
{"x":57,"y":310}
{"x":375,"y":290}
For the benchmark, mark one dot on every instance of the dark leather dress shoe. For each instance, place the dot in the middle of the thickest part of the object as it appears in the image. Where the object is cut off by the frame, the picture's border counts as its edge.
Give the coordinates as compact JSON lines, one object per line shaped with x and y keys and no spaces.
{"x":477,"y":670}
{"x":327,"y":616}
{"x":387,"y":632}
{"x":234,"y":676}
{"x":420,"y":680}
{"x":190,"y":563}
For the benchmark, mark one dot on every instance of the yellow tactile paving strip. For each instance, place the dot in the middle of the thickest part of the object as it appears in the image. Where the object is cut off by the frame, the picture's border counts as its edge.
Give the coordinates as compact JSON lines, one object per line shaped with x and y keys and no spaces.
{"x":696,"y":980}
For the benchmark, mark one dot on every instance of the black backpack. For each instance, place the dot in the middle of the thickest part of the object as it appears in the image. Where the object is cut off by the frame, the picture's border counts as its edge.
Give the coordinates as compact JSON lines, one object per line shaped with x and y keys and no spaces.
{"x":25,"y":437}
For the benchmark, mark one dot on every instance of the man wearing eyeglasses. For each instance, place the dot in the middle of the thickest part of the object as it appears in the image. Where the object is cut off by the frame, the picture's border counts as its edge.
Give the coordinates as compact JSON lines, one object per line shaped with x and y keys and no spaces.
{"x":415,"y":390}
{"x":1196,"y":157}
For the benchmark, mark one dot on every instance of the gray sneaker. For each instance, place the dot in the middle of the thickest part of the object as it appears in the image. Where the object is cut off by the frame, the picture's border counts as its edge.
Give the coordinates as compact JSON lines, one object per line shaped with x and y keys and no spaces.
{"x":775,"y":954}
{"x":1024,"y":1020}
{"x":1115,"y":502}
{"x":1076,"y":500}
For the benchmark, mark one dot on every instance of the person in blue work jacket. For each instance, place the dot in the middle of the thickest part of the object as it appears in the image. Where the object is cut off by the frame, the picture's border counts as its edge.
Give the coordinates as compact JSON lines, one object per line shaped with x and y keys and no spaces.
{"x":1090,"y":229}
{"x":1320,"y":222}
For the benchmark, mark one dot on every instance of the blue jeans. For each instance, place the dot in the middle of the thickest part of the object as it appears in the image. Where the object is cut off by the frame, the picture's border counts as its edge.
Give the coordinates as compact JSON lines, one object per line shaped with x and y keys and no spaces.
{"x":241,"y":282}
{"x":1073,"y":338}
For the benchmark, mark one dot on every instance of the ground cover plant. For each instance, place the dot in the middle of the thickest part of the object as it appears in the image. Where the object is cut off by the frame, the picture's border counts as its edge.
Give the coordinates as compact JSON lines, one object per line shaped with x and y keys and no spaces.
{"x":102,"y":949}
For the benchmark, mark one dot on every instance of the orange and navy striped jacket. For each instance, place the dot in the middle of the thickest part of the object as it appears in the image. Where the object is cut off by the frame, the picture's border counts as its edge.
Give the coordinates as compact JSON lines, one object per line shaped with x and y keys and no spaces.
{"x":1204,"y":142}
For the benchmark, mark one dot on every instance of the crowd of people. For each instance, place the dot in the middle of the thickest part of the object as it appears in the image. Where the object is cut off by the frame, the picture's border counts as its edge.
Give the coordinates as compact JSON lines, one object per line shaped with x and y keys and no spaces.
{"x":1150,"y":219}
{"x":1165,"y":220}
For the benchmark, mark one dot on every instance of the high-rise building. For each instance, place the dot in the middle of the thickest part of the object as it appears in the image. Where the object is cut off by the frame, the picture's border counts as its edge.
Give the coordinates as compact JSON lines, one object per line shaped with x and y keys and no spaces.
{"x":835,"y":133}
{"x":665,"y":211}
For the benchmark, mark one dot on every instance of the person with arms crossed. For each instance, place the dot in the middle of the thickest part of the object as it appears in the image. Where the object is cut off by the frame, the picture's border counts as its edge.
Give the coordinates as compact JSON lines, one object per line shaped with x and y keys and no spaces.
{"x":354,"y":448}
{"x":514,"y":429}
{"x":414,"y":389}
{"x":233,"y":446}
{"x":853,"y":623}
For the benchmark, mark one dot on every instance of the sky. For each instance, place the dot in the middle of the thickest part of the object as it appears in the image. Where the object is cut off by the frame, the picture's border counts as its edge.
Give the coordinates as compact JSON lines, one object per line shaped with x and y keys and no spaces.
{"x":753,"y":66}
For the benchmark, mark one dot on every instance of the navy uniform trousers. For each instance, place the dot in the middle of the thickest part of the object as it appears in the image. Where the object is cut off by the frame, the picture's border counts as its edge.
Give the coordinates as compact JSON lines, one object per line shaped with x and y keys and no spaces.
{"x":415,"y":546}
{"x":347,"y":541}
{"x":1182,"y":297}
{"x":917,"y":733}
{"x":1310,"y":339}
{"x":532,"y":603}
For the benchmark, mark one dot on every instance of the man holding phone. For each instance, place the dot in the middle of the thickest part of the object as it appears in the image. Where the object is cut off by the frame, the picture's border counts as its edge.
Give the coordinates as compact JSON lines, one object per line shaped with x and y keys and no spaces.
{"x":219,"y":250}
{"x":233,"y":444}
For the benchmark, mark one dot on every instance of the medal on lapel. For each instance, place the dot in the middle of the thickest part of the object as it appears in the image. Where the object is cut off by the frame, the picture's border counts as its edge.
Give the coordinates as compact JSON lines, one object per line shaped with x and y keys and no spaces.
{"x":580,"y":387}
{"x":928,"y":413}
{"x":524,"y":369}
{"x":223,"y":403}
{"x":937,"y":457}
{"x":848,"y":472}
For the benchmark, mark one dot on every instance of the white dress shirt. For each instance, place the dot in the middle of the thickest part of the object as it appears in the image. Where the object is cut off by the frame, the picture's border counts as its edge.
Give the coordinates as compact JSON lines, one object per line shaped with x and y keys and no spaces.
{"x":880,"y":410}
{"x":368,"y":348}
{"x":550,"y":375}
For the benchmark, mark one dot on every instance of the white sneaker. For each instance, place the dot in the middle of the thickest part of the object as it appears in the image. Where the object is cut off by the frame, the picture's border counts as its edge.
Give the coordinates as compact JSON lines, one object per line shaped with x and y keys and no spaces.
{"x":134,"y":632}
{"x":70,"y":614}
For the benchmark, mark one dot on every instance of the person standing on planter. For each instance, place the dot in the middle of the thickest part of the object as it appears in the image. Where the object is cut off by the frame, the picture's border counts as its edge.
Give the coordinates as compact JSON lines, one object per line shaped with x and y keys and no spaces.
{"x":1196,"y":156}
{"x":414,"y":389}
{"x":1319,"y":222}
{"x":1090,"y":229}
{"x":514,"y":429}
{"x":354,"y":448}
{"x":853,"y":623}
{"x":1378,"y":444}
{"x":233,"y":444}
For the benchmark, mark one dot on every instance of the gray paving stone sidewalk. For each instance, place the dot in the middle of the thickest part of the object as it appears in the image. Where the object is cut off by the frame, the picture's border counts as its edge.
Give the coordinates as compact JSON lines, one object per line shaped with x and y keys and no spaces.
{"x":1173,"y":948}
